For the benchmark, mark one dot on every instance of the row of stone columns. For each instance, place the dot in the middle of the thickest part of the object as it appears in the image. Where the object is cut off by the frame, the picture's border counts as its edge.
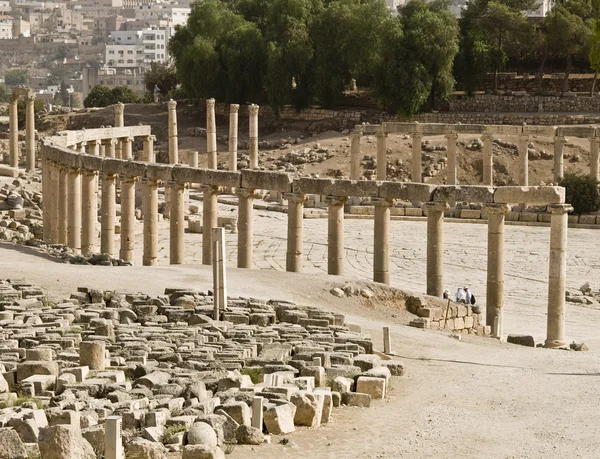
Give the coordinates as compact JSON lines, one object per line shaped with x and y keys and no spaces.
{"x":13,"y":137}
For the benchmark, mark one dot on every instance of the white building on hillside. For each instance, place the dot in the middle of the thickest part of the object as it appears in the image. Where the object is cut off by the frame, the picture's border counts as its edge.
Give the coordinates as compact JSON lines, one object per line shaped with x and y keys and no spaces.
{"x":137,"y":48}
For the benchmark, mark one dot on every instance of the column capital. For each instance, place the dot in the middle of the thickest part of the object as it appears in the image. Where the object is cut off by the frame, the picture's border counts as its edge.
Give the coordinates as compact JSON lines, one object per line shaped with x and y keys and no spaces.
{"x":489,"y":137}
{"x":560,"y":138}
{"x":497,"y":208}
{"x":382,"y":202}
{"x":336,"y":200}
{"x":245,"y":192}
{"x":171,"y":104}
{"x":560,"y":209}
{"x":174,"y":184}
{"x":210,"y":188}
{"x":435,"y":207}
{"x":234,"y":108}
{"x":253,"y":110}
{"x":381,"y":134}
{"x":94,"y":142}
{"x":149,"y":181}
{"x":355,"y":135}
{"x":416,"y":134}
{"x":119,"y":108}
{"x":89,"y":172}
{"x":210,"y":104}
{"x":127,"y":178}
{"x":451,"y":136}
{"x":149,"y":138}
{"x":126,"y":139}
{"x":109,"y":175}
{"x":30,"y":96}
{"x":295,"y":198}
{"x":594,"y":139}
{"x":110,"y":141}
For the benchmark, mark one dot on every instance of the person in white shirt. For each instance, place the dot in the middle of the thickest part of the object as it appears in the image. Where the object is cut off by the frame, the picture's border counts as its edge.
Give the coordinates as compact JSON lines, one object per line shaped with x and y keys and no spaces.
{"x":460,"y":295}
{"x":468,"y":295}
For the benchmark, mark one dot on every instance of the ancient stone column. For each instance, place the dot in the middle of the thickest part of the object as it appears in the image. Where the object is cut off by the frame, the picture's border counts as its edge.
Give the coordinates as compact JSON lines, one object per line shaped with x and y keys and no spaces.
{"x":435,"y":247}
{"x":110,"y":147}
{"x":193,"y":159}
{"x":74,"y":225}
{"x":417,"y":169}
{"x":233,"y":136}
{"x":108,"y":214}
{"x":13,"y":135}
{"x":63,"y":206}
{"x":495,"y":267}
{"x":89,"y":212}
{"x":211,"y":134}
{"x":101,"y":148}
{"x":555,"y":334}
{"x":335,"y":235}
{"x":173,"y":143}
{"x":451,"y":165}
{"x":594,"y":171}
{"x":253,"y":114}
{"x":94,"y":147}
{"x":176,"y":223}
{"x":30,"y":132}
{"x":148,"y":144}
{"x":245,"y":203}
{"x":381,"y":156}
{"x":127,"y":218}
{"x":119,"y":122}
{"x":381,"y":243}
{"x":559,"y":143}
{"x":355,"y":156}
{"x":523,"y":160}
{"x":81,"y":147}
{"x":150,"y":211}
{"x":54,"y":203}
{"x":91,"y":354}
{"x":126,"y":147}
{"x":293,"y":256}
{"x":488,"y":160}
{"x":46,"y":203}
{"x":209,"y":220}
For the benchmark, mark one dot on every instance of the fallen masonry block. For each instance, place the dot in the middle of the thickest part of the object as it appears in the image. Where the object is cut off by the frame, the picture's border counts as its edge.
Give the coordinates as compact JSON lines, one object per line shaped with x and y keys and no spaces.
{"x":356,"y":399}
{"x":522,"y":340}
{"x":373,"y":386}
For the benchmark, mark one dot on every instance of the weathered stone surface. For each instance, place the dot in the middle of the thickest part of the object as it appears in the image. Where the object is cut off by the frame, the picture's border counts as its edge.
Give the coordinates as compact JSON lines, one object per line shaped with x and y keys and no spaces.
{"x":529,"y":195}
{"x":202,"y":452}
{"x":239,"y":411}
{"x":279,"y":420}
{"x":308,"y":409}
{"x":356,"y":399}
{"x":139,"y":448}
{"x":201,"y":434}
{"x":375,"y":387}
{"x":522,"y":340}
{"x":11,"y":446}
{"x":248,"y":435}
{"x":65,"y":442}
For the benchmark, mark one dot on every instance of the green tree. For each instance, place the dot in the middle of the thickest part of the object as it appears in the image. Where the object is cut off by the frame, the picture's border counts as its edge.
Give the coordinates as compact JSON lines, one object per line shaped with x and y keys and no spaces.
{"x":99,"y":96}
{"x":16,"y":77}
{"x":124,"y":95}
{"x":5,"y":94}
{"x":38,"y":107}
{"x":162,"y":76}
{"x":582,"y":192}
{"x":594,"y":55}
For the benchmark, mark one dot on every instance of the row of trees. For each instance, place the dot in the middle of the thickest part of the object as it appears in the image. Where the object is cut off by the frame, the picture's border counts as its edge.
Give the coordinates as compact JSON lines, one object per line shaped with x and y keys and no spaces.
{"x":308,"y":51}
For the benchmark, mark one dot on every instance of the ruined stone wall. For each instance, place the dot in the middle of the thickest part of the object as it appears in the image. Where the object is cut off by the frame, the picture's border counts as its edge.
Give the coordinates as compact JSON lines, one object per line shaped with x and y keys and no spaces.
{"x":487,"y":103}
{"x":290,"y":113}
{"x":530,"y":82}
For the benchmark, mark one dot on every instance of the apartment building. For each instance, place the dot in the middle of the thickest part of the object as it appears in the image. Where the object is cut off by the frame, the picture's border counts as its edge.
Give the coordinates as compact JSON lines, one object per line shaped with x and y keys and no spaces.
{"x":138,"y":48}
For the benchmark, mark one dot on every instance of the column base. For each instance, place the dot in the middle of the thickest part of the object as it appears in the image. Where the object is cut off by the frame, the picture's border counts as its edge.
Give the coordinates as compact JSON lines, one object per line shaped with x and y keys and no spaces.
{"x":555,"y":343}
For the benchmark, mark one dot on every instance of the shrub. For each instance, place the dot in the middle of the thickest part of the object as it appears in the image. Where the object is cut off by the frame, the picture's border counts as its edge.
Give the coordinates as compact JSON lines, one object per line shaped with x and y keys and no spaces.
{"x":582,"y":192}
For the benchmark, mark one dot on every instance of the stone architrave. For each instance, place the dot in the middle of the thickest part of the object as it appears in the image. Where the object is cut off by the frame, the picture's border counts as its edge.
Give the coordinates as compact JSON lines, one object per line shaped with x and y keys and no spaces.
{"x":233,"y":136}
{"x":293,"y":258}
{"x":495,"y":267}
{"x":253,"y":153}
{"x":435,"y":247}
{"x":335,"y":235}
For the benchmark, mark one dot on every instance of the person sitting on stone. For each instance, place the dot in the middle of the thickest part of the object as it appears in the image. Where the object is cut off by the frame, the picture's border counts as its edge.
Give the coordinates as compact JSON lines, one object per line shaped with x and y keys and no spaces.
{"x":446,"y":294}
{"x":460,"y":296}
{"x":468,"y":295}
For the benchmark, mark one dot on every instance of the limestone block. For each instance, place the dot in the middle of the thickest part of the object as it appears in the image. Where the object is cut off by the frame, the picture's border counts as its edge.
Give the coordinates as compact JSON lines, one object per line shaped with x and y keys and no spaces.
{"x":469,"y":322}
{"x":406,"y":191}
{"x":373,"y":386}
{"x":380,"y":372}
{"x":201,"y":452}
{"x":213,"y":177}
{"x":573,"y":219}
{"x":542,"y":131}
{"x":154,"y":171}
{"x":470,"y":213}
{"x":356,"y":399}
{"x":65,"y":442}
{"x":528,"y":217}
{"x":200,"y":433}
{"x":413,"y":211}
{"x":397,"y":211}
{"x":468,"y":128}
{"x":11,"y":446}
{"x":92,"y":162}
{"x":317,"y":372}
{"x":522,"y":340}
{"x":239,"y":411}
{"x":27,"y":369}
{"x":41,"y":354}
{"x":587,"y":219}
{"x":504,"y":129}
{"x":459,"y":323}
{"x":7,"y":171}
{"x":92,"y":354}
{"x":248,"y":435}
{"x":153,"y":379}
{"x":432,"y":313}
{"x":309,"y":409}
{"x":396,"y":367}
{"x":366,"y":361}
{"x":536,"y":195}
{"x":513,"y":216}
{"x":139,"y":448}
{"x":466,"y":193}
{"x":327,"y":404}
{"x":266,"y":180}
{"x":341,"y":384}
{"x":576,"y":131}
{"x":362,"y":210}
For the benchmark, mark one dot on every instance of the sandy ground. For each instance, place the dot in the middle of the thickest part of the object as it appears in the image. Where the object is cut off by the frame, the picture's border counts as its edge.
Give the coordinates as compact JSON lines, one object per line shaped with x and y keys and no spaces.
{"x":469,"y":399}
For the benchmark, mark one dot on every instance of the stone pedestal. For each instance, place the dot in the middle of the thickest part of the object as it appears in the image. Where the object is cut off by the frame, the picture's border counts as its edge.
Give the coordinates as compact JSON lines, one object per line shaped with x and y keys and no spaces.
{"x":13,"y":135}
{"x":245,"y":206}
{"x":488,"y":160}
{"x":63,"y":206}
{"x":594,"y":171}
{"x":555,"y":335}
{"x":211,"y":134}
{"x":523,"y":160}
{"x":30,"y":132}
{"x":148,"y":147}
{"x":495,"y":267}
{"x":89,"y":212}
{"x":381,"y":156}
{"x":293,"y":256}
{"x":127,"y":218}
{"x":173,"y":142}
{"x":92,"y":354}
{"x":209,"y":220}
{"x":335,"y":235}
{"x":74,"y":225}
{"x":417,"y":168}
{"x":253,"y":153}
{"x":559,"y":143}
{"x":108,"y":214}
{"x":451,"y":163}
{"x":381,"y":243}
{"x":233,"y":136}
{"x":176,"y":223}
{"x":150,"y":211}
{"x":435,"y":247}
{"x":355,"y":156}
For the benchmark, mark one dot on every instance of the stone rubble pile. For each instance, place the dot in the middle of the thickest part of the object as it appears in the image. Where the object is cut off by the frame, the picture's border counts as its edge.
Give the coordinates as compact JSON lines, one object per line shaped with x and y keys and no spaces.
{"x":20,"y":212}
{"x":179,"y":380}
{"x":586,"y":295}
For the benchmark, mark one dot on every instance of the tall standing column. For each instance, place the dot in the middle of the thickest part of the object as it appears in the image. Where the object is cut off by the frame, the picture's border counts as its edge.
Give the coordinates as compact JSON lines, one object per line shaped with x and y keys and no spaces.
{"x":233,"y":136}
{"x":488,"y":160}
{"x":101,"y":148}
{"x":559,"y":143}
{"x":253,"y":114}
{"x":74,"y":225}
{"x":150,"y":211}
{"x":109,"y":148}
{"x":13,"y":136}
{"x":435,"y":247}
{"x":176,"y":223}
{"x":148,"y":146}
{"x":594,"y":171}
{"x":335,"y":235}
{"x":54,"y":203}
{"x":126,"y":147}
{"x":495,"y":267}
{"x":355,"y":156}
{"x":46,"y":203}
{"x":173,"y":143}
{"x":381,"y":155}
{"x":127,"y":218}
{"x":451,"y":177}
{"x":94,"y":146}
{"x":417,"y":168}
{"x":119,"y":122}
{"x":293,"y":256}
{"x":89,"y":211}
{"x":381,"y":243}
{"x":211,"y":134}
{"x":245,"y":232}
{"x":209,"y":220}
{"x":523,"y":160}
{"x":557,"y":278}
{"x":30,"y":132}
{"x":63,"y":206}
{"x":108,"y":214}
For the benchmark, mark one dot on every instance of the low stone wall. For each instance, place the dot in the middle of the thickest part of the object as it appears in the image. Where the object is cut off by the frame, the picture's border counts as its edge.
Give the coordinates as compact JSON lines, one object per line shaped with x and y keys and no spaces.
{"x":290,"y":113}
{"x":552,"y":82}
{"x":543,"y":119}
{"x":488,"y":103}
